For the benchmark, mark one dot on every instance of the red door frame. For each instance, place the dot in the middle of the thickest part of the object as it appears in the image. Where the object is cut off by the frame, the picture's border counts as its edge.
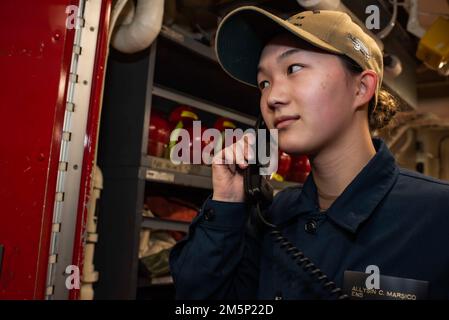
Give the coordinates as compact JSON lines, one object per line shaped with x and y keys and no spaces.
{"x":92,"y":130}
{"x":35,"y":57}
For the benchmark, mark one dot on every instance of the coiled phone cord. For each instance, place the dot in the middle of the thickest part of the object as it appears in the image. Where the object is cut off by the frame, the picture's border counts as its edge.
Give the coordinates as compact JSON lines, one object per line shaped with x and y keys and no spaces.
{"x":300,"y":259}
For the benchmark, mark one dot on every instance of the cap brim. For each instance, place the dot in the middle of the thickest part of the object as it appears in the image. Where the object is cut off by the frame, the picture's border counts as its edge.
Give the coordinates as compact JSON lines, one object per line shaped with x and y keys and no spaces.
{"x":242,"y":36}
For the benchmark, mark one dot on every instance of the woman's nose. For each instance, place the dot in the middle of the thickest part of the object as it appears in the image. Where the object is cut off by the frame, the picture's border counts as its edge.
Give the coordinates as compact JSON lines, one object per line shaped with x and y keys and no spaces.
{"x":277,"y":96}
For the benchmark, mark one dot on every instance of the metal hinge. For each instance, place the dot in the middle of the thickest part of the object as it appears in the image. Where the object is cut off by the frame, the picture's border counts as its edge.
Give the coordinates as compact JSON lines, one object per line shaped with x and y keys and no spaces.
{"x":72,"y":148}
{"x":63,"y":157}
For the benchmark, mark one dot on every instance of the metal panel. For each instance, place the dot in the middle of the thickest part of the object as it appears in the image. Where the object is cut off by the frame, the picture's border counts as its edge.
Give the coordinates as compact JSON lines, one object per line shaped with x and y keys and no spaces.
{"x":123,"y":139}
{"x":35,"y":55}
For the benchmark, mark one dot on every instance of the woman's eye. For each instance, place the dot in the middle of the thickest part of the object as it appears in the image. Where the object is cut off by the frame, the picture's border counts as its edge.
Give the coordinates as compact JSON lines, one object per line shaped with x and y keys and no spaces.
{"x":263,"y":84}
{"x":293,"y":68}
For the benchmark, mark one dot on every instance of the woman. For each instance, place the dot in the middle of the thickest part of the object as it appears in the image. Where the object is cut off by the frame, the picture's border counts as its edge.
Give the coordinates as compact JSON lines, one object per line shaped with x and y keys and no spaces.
{"x":320,"y":77}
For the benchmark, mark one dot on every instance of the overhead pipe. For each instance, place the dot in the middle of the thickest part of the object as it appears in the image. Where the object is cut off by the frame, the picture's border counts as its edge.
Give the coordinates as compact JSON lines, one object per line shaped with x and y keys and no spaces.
{"x":117,"y":8}
{"x":413,"y":25}
{"x":320,"y":4}
{"x":140,"y":25}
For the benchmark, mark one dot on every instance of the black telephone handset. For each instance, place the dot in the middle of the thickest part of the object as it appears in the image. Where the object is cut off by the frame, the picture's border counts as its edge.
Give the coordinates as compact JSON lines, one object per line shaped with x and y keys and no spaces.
{"x":257,"y":188}
{"x":259,"y":194}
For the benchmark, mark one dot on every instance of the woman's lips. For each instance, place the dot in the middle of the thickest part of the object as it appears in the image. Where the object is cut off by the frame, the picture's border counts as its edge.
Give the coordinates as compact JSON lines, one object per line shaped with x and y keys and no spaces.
{"x":285,"y":121}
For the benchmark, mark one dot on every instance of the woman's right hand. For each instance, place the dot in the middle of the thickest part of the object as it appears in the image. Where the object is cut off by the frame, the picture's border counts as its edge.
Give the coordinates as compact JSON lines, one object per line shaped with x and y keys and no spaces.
{"x":227,"y":170}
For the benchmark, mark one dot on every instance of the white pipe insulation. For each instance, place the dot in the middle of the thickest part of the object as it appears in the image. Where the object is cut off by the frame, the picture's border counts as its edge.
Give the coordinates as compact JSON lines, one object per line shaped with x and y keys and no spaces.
{"x":145,"y":25}
{"x":320,"y":4}
{"x":413,"y":24}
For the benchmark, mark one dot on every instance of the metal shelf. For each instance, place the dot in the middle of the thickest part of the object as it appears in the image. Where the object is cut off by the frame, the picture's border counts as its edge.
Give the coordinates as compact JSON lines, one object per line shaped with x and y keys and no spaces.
{"x":198,"y":176}
{"x":188,"y":43}
{"x":181,"y":179}
{"x":164,"y":164}
{"x":183,"y":98}
{"x":163,"y":224}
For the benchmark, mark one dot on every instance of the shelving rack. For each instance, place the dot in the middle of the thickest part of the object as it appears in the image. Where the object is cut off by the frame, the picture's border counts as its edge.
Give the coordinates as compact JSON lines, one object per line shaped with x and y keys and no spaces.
{"x":174,"y":68}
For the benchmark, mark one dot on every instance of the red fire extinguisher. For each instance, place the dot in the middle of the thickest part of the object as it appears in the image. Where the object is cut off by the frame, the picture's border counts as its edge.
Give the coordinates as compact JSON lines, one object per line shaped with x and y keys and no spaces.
{"x":183,"y":117}
{"x":159,"y":134}
{"x":284,"y":164}
{"x":300,"y":169}
{"x":221,"y":124}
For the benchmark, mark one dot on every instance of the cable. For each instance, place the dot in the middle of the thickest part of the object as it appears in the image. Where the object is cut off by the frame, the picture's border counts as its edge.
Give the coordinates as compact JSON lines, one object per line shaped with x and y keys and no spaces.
{"x":300,"y":259}
{"x":255,"y":194}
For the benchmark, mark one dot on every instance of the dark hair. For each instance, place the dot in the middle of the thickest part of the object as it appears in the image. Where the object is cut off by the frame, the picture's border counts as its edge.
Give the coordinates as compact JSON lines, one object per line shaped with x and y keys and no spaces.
{"x":387,"y":104}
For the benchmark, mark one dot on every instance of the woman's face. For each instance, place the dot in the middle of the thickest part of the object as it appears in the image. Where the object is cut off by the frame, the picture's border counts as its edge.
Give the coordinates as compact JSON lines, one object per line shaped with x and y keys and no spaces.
{"x":305,"y":94}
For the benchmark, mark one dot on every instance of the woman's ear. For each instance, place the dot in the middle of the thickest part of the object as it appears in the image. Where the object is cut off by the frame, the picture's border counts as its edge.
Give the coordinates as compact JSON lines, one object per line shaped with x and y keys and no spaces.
{"x":366,"y":88}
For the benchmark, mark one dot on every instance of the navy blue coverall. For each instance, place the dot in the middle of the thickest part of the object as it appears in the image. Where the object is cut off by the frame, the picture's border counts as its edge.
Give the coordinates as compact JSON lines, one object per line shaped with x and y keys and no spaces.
{"x":387,"y":216}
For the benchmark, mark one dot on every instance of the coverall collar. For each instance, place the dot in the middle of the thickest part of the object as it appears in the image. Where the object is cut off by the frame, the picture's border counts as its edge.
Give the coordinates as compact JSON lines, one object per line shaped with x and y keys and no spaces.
{"x":360,"y":198}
